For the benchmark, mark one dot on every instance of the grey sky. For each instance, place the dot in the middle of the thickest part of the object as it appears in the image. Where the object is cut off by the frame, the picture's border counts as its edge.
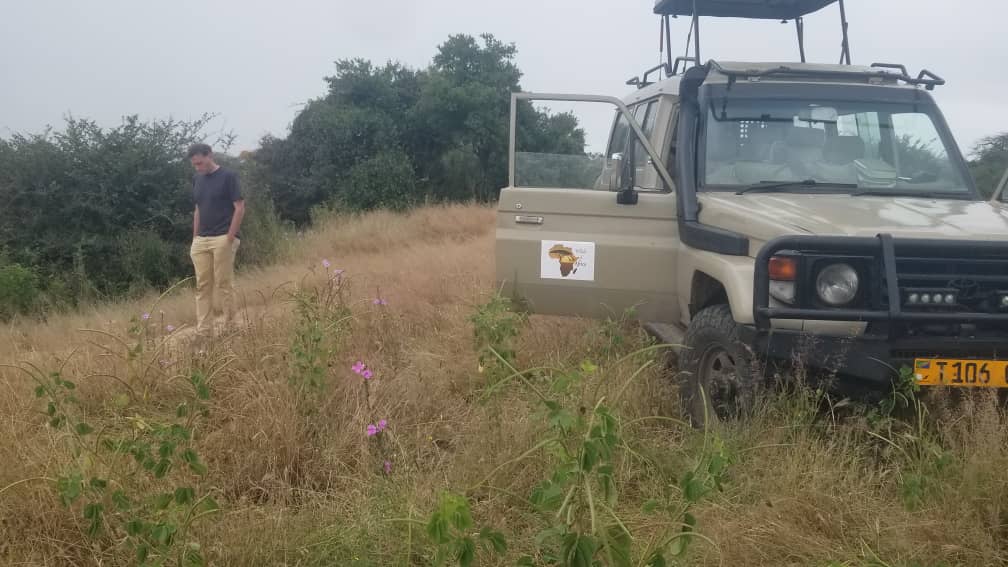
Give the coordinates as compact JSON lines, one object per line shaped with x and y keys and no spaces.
{"x":253,"y":61}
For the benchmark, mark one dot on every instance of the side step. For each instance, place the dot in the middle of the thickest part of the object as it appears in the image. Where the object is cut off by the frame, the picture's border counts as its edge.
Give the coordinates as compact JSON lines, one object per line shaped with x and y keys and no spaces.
{"x":666,"y":334}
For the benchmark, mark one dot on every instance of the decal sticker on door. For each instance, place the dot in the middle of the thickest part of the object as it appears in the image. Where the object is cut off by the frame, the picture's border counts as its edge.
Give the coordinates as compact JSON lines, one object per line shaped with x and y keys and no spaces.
{"x":567,"y":260}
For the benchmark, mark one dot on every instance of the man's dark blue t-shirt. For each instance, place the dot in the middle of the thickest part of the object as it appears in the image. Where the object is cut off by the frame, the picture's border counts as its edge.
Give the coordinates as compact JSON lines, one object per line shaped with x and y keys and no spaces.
{"x":215,"y":194}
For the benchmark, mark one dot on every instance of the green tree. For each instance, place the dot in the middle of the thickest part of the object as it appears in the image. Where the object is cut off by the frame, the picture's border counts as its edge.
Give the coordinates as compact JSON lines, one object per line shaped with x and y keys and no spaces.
{"x":19,"y":290}
{"x":71,"y":196}
{"x":95,"y":211}
{"x":390,"y":136}
{"x":361,"y":117}
{"x":989,"y":162}
{"x":466,"y":98}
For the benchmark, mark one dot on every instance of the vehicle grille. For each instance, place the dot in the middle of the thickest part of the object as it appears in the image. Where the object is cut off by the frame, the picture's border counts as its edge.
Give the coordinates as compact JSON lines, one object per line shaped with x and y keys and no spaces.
{"x":966,"y":352}
{"x":979,"y":284}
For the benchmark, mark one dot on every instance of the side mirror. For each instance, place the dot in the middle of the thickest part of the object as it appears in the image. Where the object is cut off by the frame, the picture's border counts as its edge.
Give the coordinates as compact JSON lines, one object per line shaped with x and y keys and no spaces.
{"x":615,"y":167}
{"x":627,"y":179}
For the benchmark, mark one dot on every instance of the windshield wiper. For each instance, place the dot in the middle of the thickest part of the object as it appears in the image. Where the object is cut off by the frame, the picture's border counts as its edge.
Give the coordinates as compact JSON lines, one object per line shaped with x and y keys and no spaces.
{"x":913,"y":194}
{"x":774,"y":185}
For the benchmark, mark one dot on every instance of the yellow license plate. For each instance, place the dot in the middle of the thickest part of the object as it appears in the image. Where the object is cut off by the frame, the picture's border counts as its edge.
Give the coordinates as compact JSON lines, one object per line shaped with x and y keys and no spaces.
{"x":961,"y":373}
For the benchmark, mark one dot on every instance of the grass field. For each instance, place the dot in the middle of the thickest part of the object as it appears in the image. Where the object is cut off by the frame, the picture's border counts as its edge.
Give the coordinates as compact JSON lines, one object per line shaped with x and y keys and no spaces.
{"x":503,"y":436}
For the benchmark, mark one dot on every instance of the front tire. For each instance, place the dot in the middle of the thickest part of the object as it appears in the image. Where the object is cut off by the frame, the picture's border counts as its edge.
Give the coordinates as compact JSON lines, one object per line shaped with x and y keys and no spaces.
{"x":717,"y":383}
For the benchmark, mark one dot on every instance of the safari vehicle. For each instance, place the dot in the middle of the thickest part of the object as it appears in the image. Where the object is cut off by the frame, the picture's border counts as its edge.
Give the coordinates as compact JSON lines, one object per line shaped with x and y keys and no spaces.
{"x":755,"y":212}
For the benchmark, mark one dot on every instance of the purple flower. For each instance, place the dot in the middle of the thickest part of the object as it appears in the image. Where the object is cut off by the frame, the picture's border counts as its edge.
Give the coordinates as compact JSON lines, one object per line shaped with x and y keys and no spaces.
{"x":388,"y":467}
{"x":367,"y":374}
{"x":337,"y":273}
{"x":326,"y":264}
{"x":379,"y":301}
{"x":170,"y":328}
{"x":372,"y":430}
{"x":145,"y":316}
{"x":382,"y":425}
{"x":358,"y":367}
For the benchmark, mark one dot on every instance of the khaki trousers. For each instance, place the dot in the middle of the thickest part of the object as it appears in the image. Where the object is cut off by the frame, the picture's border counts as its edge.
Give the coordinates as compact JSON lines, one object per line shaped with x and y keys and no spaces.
{"x":213,"y":258}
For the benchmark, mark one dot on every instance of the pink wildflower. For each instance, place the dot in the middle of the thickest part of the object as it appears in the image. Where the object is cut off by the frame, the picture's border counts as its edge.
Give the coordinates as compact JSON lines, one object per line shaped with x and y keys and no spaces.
{"x":372,"y":430}
{"x":145,"y":316}
{"x":170,"y":328}
{"x":326,"y":264}
{"x":379,"y":301}
{"x":358,"y":367}
{"x":367,"y":374}
{"x":388,"y":467}
{"x":382,"y":425}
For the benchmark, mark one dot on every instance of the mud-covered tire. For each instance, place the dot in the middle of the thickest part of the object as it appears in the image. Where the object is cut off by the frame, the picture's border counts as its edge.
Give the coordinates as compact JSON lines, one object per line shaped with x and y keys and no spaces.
{"x":717,"y":380}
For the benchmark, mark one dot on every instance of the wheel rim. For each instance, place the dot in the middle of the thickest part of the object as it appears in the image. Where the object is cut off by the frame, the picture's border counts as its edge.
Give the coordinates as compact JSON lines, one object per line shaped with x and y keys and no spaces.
{"x":719,"y":376}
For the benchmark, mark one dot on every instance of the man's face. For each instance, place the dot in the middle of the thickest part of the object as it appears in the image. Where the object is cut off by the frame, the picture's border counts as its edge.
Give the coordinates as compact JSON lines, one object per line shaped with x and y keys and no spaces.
{"x":202,"y":164}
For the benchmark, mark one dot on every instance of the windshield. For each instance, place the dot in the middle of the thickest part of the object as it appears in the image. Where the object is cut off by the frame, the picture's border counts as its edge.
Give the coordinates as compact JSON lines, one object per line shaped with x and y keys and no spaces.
{"x":863,"y":146}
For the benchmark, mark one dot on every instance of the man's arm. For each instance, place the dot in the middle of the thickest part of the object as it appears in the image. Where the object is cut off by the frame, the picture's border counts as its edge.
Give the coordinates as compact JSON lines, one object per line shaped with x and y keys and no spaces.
{"x":234,"y":193}
{"x":236,"y":220}
{"x":195,"y":223}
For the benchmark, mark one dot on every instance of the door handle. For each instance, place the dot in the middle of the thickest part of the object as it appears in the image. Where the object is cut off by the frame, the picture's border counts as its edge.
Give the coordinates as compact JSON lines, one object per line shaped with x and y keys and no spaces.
{"x":528,"y":219}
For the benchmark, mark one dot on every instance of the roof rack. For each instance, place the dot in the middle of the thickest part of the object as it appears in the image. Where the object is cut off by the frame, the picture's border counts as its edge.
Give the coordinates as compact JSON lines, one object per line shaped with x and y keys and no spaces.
{"x":670,"y":71}
{"x":926,"y":78}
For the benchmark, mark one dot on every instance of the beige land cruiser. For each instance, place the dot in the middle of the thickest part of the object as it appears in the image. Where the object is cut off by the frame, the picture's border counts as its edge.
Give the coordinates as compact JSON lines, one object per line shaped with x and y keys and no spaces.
{"x":758,"y":211}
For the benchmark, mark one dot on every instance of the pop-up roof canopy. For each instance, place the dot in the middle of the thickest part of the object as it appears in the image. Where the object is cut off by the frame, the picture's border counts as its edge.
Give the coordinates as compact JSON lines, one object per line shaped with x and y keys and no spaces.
{"x":750,"y":9}
{"x":763,"y":10}
{"x":754,"y":9}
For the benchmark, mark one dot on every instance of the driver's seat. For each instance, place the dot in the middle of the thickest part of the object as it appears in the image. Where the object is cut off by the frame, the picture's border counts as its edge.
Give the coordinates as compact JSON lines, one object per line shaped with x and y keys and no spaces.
{"x":839,"y":155}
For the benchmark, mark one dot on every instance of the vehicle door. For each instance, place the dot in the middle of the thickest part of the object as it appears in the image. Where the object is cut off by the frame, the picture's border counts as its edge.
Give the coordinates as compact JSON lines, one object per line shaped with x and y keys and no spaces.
{"x":590,"y":234}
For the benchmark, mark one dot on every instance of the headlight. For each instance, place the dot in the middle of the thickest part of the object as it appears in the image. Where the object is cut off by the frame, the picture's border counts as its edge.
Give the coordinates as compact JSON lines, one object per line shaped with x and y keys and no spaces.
{"x":837,"y":284}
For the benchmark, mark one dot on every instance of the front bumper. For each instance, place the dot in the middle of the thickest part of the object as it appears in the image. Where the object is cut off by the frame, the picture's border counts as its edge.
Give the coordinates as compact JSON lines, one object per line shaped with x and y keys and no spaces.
{"x":871,"y":361}
{"x":895,"y":335}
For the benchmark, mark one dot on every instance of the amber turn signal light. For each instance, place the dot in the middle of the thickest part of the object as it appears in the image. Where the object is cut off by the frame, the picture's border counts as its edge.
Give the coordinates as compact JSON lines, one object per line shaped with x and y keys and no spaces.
{"x":783,"y":269}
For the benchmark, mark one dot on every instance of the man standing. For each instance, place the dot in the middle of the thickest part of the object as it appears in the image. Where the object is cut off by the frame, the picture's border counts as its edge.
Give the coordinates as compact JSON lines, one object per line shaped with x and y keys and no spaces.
{"x":219,"y":209}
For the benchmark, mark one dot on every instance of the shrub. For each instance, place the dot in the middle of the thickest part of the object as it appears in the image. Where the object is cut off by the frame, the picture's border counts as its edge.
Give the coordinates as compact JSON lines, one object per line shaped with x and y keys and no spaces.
{"x":19,"y":291}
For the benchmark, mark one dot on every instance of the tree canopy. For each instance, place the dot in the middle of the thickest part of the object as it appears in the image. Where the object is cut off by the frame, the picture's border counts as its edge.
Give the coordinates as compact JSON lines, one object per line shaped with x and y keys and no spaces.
{"x":390,"y":136}
{"x":990,"y":162}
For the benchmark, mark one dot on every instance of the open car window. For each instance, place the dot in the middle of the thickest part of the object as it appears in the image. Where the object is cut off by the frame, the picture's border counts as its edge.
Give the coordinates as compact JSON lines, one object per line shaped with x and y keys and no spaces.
{"x":569,"y":143}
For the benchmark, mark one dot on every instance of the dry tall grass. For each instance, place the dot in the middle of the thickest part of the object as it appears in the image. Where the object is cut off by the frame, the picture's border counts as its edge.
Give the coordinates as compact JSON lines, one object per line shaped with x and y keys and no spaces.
{"x":301,"y":484}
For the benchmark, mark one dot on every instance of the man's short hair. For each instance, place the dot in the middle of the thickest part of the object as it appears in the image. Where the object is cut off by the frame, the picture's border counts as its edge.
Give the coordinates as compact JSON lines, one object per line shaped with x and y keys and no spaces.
{"x":198,"y":149}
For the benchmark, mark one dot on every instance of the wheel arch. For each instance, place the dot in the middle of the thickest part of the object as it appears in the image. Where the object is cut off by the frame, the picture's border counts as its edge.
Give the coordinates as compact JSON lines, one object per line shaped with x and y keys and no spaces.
{"x":705,"y":291}
{"x":707,"y":279}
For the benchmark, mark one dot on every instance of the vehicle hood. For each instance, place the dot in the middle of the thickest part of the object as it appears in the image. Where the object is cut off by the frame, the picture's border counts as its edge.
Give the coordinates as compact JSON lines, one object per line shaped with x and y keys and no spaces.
{"x":763,"y":216}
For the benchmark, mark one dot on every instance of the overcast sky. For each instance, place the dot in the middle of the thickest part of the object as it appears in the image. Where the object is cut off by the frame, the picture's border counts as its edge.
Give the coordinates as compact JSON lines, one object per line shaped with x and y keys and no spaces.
{"x":254,"y":61}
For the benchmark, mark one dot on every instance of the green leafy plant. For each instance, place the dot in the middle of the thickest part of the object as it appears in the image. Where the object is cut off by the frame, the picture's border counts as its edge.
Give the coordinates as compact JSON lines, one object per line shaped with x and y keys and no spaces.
{"x":323,"y":319}
{"x":615,"y":332}
{"x":133,"y":483}
{"x":903,"y":394}
{"x":578,"y":499}
{"x":910,"y":442}
{"x":496,"y":324}
{"x":450,"y":529}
